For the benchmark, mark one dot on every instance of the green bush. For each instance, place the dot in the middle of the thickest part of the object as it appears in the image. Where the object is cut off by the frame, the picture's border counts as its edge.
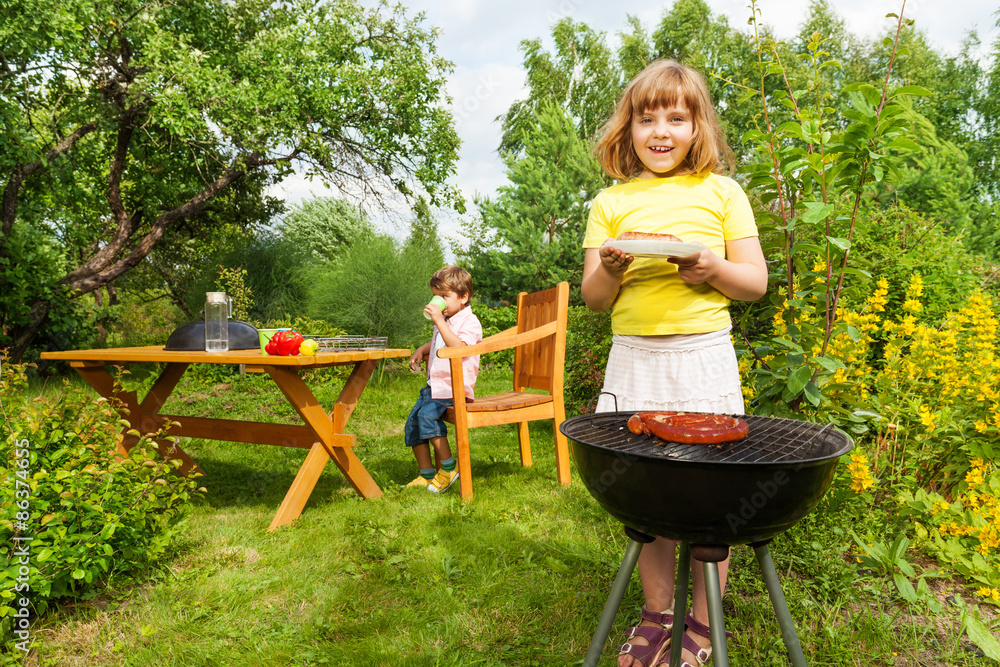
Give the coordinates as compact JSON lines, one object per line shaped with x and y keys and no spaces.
{"x":495,"y":320}
{"x":377,"y":288}
{"x":588,"y":342}
{"x":896,"y":242}
{"x":276,"y":275}
{"x":133,"y":322}
{"x":90,"y":516}
{"x":30,"y":266}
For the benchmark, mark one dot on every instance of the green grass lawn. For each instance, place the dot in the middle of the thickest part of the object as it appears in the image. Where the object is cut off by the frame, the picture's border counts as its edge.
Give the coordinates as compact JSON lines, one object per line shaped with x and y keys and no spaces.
{"x":518,"y":576}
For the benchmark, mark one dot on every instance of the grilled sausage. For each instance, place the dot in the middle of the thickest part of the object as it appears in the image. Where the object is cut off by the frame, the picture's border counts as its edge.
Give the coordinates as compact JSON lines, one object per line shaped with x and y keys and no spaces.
{"x":696,"y":428}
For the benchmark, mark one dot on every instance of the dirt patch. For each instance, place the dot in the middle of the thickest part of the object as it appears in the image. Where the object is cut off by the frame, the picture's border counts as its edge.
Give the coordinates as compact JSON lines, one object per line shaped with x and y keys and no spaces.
{"x":193,"y":398}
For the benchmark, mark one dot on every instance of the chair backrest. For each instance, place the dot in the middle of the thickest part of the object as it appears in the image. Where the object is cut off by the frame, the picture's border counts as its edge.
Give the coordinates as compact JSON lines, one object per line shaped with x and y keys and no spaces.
{"x":539,"y":364}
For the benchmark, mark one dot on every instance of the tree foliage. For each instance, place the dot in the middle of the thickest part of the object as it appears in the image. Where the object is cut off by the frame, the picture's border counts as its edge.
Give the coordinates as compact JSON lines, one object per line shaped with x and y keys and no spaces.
{"x":322,"y":226}
{"x":378,"y":289}
{"x":529,"y":237}
{"x":126,"y":124}
{"x":581,"y":76}
{"x":806,"y":81}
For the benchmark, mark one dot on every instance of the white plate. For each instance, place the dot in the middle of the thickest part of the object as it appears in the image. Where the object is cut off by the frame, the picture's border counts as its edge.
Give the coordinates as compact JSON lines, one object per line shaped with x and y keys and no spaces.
{"x":655,"y":248}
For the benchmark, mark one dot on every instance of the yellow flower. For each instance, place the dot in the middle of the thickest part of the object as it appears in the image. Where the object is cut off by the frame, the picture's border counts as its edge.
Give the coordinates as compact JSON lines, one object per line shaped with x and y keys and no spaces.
{"x":986,"y":592}
{"x":877,"y":300}
{"x":927,"y":418}
{"x":861,"y":477}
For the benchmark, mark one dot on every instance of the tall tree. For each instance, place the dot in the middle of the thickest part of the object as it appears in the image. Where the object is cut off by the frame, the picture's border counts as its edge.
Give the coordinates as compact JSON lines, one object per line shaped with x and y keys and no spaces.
{"x":692,"y":35}
{"x":424,"y":238}
{"x":986,"y":145}
{"x":581,"y":75}
{"x":322,"y":226}
{"x":122,"y":120}
{"x":529,"y":237}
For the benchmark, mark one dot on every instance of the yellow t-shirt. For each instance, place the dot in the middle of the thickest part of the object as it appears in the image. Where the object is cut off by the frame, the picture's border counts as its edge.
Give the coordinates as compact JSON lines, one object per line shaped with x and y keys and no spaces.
{"x":653,"y":300}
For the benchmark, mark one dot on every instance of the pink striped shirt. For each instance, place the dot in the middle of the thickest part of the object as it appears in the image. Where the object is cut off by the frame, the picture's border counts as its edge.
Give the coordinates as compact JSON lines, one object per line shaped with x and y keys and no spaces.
{"x":466,"y":326}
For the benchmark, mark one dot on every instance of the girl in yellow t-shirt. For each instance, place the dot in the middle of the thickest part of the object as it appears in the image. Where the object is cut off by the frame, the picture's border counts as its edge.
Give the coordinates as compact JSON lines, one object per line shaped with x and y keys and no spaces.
{"x":671,"y":348}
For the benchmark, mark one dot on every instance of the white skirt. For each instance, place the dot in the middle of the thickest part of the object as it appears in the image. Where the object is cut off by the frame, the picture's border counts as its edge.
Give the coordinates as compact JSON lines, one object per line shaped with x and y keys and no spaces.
{"x":693,"y":373}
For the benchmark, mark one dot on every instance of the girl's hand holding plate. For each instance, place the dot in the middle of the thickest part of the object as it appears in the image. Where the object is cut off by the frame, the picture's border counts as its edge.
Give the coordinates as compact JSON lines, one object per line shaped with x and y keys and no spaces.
{"x":614,"y":260}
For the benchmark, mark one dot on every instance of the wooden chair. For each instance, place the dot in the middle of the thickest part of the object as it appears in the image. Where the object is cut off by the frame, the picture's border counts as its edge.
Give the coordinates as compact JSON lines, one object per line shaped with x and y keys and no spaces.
{"x":539,"y":343}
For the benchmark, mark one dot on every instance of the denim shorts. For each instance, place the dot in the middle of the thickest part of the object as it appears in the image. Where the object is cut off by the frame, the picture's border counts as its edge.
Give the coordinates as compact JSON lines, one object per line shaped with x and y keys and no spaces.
{"x":425,"y":420}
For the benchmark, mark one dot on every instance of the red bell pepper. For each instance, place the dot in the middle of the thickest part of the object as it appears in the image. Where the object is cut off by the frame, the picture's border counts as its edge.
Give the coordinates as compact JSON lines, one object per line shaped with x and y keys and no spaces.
{"x":287,"y":343}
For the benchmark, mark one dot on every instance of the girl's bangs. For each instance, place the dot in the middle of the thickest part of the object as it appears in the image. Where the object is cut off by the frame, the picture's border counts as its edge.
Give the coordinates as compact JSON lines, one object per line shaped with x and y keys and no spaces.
{"x":662,"y":89}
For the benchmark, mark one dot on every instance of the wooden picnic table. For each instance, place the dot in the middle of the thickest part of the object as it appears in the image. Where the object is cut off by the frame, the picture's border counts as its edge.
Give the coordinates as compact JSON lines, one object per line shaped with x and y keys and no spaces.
{"x":322,"y":434}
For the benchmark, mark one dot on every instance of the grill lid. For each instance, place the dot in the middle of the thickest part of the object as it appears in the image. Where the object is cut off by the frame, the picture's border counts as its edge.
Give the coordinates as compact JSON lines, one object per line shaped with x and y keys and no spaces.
{"x":191,"y":336}
{"x":770,"y":440}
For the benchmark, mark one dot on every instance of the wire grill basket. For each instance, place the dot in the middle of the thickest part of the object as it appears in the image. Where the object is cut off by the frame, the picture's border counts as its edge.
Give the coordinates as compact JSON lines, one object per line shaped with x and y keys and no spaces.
{"x":344,"y":343}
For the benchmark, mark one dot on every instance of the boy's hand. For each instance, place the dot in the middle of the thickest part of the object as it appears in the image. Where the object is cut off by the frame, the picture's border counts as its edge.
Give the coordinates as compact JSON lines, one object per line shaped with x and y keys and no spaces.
{"x":434,"y":313}
{"x":415,"y":361}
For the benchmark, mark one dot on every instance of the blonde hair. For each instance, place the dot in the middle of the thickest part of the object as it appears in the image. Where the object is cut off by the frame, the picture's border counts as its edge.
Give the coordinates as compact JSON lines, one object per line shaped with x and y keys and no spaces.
{"x":452,"y":279}
{"x":664,"y":83}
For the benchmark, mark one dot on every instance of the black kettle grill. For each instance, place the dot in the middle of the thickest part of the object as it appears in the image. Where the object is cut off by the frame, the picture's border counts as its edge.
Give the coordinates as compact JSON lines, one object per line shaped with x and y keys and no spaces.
{"x":191,"y":336}
{"x":708,"y":497}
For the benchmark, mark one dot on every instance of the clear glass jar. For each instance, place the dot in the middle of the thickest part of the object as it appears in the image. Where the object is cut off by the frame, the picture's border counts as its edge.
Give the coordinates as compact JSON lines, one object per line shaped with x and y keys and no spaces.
{"x":218,"y":310}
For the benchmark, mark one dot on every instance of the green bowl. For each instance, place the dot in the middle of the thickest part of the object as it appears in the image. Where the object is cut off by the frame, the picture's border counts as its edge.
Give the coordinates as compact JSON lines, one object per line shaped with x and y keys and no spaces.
{"x":265,"y":337}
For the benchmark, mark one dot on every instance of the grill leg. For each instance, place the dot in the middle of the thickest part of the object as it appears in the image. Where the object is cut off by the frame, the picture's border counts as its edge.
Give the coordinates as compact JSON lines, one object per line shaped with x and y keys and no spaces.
{"x":716,"y":619}
{"x":614,"y":601}
{"x":682,"y":577}
{"x":795,"y":654}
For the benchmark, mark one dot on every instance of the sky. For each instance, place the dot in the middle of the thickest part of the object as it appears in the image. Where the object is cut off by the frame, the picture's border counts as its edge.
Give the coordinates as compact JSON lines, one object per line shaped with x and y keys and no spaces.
{"x":482,"y":39}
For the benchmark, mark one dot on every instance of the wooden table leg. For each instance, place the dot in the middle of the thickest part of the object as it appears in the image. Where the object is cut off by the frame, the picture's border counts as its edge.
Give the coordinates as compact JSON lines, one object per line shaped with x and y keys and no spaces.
{"x":301,"y":488}
{"x":324,"y":425}
{"x":150,"y":421}
{"x":139,"y":415}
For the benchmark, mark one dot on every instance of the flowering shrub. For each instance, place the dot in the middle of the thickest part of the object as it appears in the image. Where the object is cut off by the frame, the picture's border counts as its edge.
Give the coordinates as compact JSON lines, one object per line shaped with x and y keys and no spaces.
{"x":932,"y":393}
{"x":860,"y":471}
{"x":964,"y":531}
{"x":941,"y":386}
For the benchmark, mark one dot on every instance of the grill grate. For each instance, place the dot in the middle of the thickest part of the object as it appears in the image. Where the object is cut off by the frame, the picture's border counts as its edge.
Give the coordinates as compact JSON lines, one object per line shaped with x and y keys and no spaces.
{"x":350,"y":343}
{"x":770,"y":440}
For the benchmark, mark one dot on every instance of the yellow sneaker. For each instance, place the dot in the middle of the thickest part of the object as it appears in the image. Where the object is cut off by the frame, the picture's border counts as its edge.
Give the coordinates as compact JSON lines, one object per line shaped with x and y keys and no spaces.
{"x":420,"y":481}
{"x":442,"y":481}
